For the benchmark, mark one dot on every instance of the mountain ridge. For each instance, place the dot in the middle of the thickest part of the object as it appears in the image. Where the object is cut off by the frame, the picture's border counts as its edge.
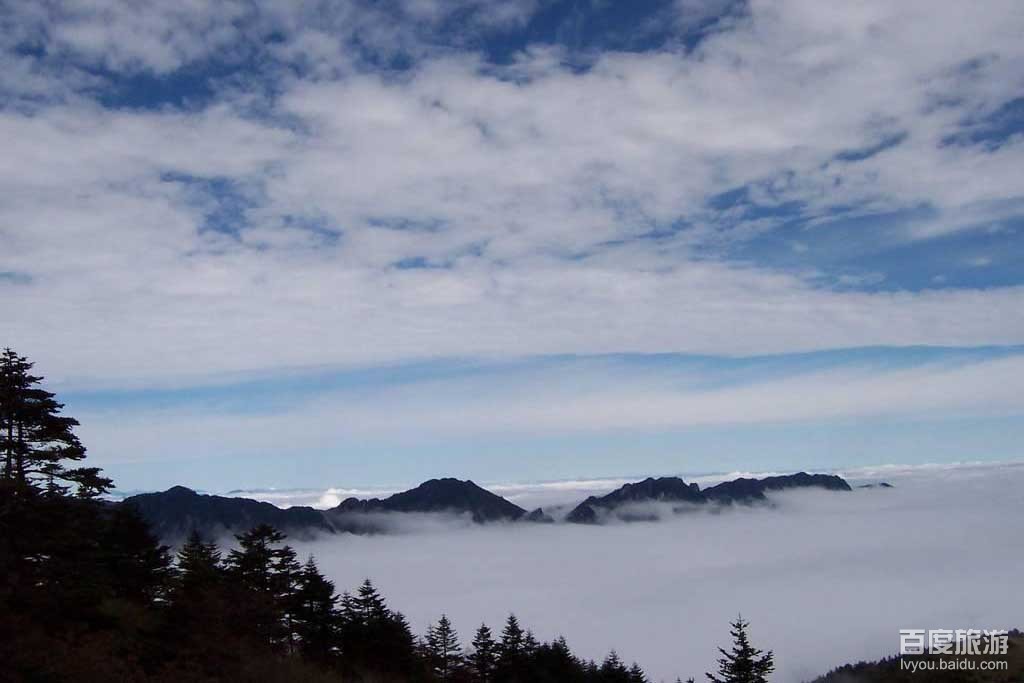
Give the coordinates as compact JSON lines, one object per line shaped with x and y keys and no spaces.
{"x":174,"y":513}
{"x":743,"y":490}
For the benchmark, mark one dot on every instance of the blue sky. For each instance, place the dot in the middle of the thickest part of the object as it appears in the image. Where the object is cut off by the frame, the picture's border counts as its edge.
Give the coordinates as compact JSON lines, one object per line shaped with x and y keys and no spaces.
{"x":285,"y":244}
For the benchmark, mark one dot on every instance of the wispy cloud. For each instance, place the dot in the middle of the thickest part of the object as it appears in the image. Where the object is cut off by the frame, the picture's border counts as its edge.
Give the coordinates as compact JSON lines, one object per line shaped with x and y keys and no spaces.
{"x":564,"y":399}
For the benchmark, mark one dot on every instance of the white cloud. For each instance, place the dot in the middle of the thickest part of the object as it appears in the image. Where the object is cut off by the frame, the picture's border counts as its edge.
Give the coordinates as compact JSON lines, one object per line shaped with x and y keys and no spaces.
{"x":499,"y":174}
{"x":825,"y":578}
{"x":552,"y":401}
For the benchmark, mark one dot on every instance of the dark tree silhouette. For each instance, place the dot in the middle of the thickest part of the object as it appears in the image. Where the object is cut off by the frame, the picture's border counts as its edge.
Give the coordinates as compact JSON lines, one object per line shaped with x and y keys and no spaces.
{"x":511,"y":655}
{"x":315,"y":620}
{"x":483,"y":659}
{"x":443,"y":650}
{"x":745,"y":663}
{"x":613,"y":670}
{"x":35,"y":439}
{"x":133,"y":555}
{"x":636,"y":674}
{"x":267,"y":574}
{"x":199,"y":565}
{"x":88,"y":593}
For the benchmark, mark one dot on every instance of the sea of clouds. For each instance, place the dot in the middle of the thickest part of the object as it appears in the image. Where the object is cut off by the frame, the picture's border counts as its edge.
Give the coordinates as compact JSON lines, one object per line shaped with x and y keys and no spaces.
{"x":825,"y":578}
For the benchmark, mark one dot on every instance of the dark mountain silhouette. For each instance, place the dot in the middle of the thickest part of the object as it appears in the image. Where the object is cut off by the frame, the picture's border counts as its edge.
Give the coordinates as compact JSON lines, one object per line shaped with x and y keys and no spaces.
{"x":178,"y":511}
{"x":675,"y":490}
{"x":745,"y":490}
{"x":174,"y":513}
{"x":663,"y":489}
{"x":539,"y":516}
{"x":742,"y":490}
{"x":803,"y":480}
{"x":894,"y":669}
{"x":439,"y":495}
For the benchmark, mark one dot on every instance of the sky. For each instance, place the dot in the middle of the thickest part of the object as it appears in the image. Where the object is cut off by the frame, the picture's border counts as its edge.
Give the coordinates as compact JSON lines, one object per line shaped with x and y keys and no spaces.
{"x":353,"y":243}
{"x":825,"y":578}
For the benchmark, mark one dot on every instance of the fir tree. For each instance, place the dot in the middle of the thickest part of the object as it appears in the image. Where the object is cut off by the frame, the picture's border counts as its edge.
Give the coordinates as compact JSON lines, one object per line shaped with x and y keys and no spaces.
{"x":483,"y":659}
{"x":369,"y":604}
{"x":373,"y":638}
{"x":35,"y":440}
{"x":613,"y":670}
{"x":443,"y":649}
{"x":140,"y":568}
{"x":267,"y":575}
{"x":199,"y":565}
{"x":511,"y":655}
{"x":512,"y":638}
{"x":636,"y":674}
{"x":399,"y":645}
{"x":745,"y":663}
{"x":315,"y":619}
{"x":530,"y":644}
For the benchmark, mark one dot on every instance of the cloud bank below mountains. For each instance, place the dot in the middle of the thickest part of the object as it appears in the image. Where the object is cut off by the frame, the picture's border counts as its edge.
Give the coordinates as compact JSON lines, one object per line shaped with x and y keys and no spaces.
{"x":825,"y":577}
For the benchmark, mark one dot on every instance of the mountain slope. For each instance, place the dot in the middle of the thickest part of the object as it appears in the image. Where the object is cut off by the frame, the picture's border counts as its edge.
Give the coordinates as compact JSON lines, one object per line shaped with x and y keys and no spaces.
{"x":675,"y":490}
{"x":174,"y":513}
{"x":662,"y":489}
{"x":890,"y":671}
{"x":440,"y":495}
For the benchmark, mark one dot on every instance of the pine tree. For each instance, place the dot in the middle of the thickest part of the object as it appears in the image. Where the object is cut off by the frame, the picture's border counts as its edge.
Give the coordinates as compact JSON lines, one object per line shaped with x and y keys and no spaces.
{"x":636,"y":674}
{"x":530,"y":644}
{"x":745,"y":663}
{"x":373,"y":638}
{"x":613,"y":670}
{"x":139,"y":566}
{"x":398,"y":646}
{"x":315,"y":618}
{"x":35,"y":440}
{"x":199,"y":565}
{"x":443,"y":649}
{"x":483,"y":659}
{"x":267,"y":574}
{"x":511,"y":655}
{"x":369,"y":603}
{"x":512,"y":638}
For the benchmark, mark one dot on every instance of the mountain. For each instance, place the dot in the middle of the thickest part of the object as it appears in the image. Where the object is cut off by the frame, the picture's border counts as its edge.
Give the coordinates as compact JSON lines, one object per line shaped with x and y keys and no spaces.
{"x":662,"y":489}
{"x":675,"y":490}
{"x":829,"y":482}
{"x":895,"y":669}
{"x":439,"y":495}
{"x":174,"y":513}
{"x":753,"y":490}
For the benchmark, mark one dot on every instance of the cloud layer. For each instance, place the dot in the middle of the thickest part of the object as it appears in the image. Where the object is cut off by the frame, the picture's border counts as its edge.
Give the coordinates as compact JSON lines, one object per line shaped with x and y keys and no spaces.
{"x":285,"y":196}
{"x":825,"y":578}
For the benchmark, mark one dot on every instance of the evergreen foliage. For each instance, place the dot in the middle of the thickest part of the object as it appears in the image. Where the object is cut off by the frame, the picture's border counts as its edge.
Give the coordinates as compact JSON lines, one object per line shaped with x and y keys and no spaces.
{"x":484,"y":658}
{"x":744,"y":663}
{"x":443,"y":651}
{"x":87,"y":593}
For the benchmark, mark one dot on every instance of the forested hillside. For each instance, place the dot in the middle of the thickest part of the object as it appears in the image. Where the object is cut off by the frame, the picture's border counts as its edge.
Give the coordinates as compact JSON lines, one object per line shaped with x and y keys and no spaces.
{"x":87,"y":593}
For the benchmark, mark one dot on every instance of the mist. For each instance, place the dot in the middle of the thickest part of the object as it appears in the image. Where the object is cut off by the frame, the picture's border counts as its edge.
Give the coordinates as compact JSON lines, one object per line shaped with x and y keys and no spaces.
{"x":825,"y":578}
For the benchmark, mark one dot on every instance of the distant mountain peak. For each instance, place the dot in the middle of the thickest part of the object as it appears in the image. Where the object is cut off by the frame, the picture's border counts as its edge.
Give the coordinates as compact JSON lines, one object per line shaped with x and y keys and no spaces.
{"x":178,"y":510}
{"x":440,"y":495}
{"x":675,"y":490}
{"x":178,"y":491}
